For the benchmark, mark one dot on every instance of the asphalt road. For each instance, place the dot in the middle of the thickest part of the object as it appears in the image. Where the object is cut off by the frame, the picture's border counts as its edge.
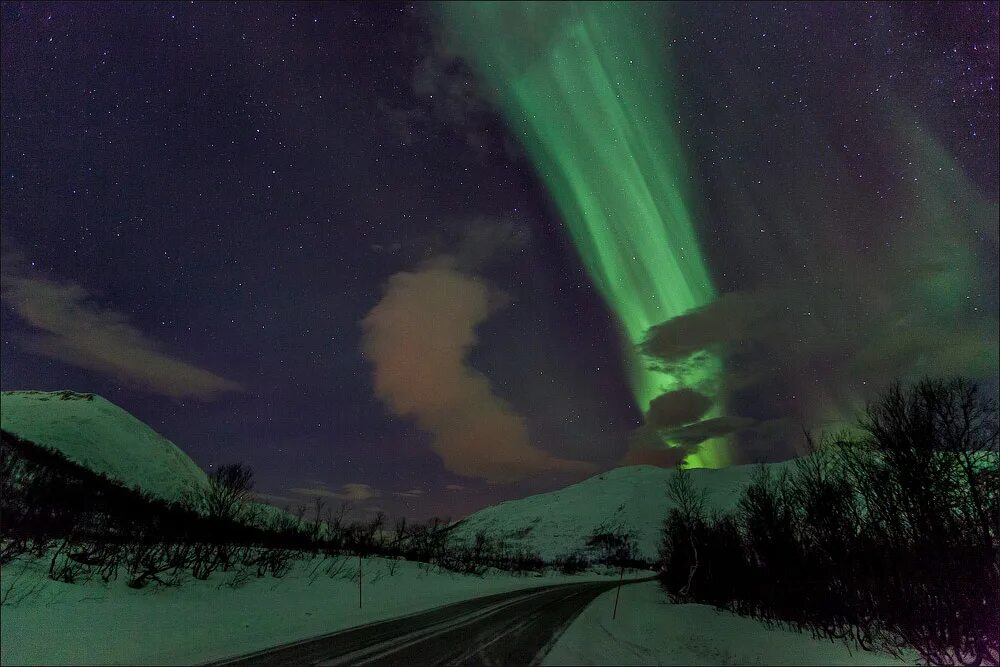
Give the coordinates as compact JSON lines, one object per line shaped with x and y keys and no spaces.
{"x":515,"y":628}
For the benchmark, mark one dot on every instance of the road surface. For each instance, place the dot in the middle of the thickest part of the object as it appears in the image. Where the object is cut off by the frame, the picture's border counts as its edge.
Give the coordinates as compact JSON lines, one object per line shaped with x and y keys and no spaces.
{"x":515,"y":628}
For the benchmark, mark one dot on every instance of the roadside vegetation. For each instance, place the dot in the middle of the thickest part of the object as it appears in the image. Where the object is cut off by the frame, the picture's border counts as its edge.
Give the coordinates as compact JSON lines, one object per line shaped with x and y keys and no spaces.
{"x":85,"y":525}
{"x":886,"y":535}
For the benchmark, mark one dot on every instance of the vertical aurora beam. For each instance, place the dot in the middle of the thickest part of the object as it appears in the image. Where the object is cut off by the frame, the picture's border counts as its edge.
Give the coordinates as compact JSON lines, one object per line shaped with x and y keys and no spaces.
{"x":584,"y":85}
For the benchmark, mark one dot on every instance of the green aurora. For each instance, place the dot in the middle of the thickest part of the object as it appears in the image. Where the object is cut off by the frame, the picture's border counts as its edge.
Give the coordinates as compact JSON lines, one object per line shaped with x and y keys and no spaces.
{"x":584,"y":86}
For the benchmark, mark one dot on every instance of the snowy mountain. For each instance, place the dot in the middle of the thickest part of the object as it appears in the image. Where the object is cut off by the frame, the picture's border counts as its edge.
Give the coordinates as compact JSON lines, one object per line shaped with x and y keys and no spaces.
{"x":633,"y":497}
{"x":101,"y":436}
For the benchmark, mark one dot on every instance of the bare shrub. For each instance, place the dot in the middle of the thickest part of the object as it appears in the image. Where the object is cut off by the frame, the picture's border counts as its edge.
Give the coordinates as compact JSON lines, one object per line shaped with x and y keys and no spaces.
{"x":887,"y":536}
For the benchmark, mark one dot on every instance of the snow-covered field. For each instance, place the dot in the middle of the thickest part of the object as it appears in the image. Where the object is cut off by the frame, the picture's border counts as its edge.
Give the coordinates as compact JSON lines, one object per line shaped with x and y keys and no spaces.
{"x":559,"y":522}
{"x":46,"y":622}
{"x":97,"y":623}
{"x":648,"y":630}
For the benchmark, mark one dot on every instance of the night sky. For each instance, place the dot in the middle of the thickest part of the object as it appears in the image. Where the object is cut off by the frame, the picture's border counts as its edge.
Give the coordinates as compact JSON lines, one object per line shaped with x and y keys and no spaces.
{"x":320,"y":239}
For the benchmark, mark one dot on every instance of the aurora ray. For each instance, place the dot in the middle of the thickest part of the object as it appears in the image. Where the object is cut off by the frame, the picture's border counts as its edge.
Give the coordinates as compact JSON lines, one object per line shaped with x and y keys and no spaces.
{"x":583,"y":86}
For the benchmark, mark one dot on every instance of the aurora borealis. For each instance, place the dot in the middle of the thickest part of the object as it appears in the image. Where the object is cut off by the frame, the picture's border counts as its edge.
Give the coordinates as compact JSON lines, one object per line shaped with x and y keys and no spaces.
{"x":585,"y":89}
{"x":457,"y":253}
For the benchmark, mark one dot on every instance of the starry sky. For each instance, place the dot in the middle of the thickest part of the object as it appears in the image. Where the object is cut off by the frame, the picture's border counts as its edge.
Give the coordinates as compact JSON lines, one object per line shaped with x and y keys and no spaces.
{"x":315,"y":238}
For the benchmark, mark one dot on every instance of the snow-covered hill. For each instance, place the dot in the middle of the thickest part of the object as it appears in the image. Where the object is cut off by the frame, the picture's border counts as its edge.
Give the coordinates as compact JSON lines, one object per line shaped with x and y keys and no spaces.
{"x":101,"y":436}
{"x":633,"y":497}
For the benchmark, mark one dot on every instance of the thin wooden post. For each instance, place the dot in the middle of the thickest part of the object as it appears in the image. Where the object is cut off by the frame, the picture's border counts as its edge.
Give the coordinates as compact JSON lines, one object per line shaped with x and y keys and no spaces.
{"x":359,"y":580}
{"x":620,"y":577}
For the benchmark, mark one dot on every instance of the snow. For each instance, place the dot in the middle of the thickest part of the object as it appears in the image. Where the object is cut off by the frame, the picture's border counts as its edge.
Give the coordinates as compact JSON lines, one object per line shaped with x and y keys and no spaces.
{"x":98,"y":623}
{"x":559,"y":522}
{"x":101,"y":436}
{"x":648,"y":630}
{"x":47,"y":622}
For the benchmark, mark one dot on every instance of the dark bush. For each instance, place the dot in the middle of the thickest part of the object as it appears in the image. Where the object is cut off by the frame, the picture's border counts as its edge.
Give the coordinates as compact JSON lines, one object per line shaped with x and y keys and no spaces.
{"x":887,"y":536}
{"x":572,"y":563}
{"x":94,"y":525}
{"x":614,"y":545}
{"x":89,"y":525}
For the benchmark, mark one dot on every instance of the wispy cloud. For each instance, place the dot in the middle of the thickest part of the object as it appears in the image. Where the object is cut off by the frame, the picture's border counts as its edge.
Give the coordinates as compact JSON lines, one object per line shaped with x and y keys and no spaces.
{"x":412,"y":493}
{"x":351,"y":492}
{"x":70,"y":326}
{"x":273,"y":499}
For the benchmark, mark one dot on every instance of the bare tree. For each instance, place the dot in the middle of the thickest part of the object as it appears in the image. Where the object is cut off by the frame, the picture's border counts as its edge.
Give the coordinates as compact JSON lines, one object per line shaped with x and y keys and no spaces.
{"x":229,"y":489}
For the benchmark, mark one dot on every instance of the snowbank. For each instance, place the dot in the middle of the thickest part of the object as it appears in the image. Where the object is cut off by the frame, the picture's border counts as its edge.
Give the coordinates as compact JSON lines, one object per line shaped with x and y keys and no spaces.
{"x":650,"y":631}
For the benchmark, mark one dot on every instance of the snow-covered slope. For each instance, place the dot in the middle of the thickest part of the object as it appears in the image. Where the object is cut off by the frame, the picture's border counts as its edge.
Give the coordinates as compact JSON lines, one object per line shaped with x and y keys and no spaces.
{"x":633,"y":497}
{"x":101,"y":436}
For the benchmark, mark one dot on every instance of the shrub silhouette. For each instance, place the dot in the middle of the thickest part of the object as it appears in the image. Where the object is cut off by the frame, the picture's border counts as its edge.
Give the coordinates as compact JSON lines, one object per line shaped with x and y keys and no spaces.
{"x":887,"y":535}
{"x":228,"y":492}
{"x":87,"y":525}
{"x":614,"y":545}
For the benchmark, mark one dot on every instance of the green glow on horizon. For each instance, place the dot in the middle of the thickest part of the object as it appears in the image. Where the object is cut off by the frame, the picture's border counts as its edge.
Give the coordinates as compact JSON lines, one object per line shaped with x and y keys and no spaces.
{"x":583,"y":84}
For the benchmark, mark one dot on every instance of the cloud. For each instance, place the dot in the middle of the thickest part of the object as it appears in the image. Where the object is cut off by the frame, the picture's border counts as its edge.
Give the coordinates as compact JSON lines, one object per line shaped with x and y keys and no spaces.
{"x":412,"y":493}
{"x":758,"y":440}
{"x":699,"y":432}
{"x":769,"y":336}
{"x":445,"y":97}
{"x":814,"y":358}
{"x":730,"y":318}
{"x":351,"y":492}
{"x":358,"y":492}
{"x":675,"y":408}
{"x":472,"y":244}
{"x":661,"y":457}
{"x":646,"y":447}
{"x":485,"y":239}
{"x":647,"y":443}
{"x":454,"y":487}
{"x":417,"y":338}
{"x":71,"y":327}
{"x":835,"y":283}
{"x":272,"y":499}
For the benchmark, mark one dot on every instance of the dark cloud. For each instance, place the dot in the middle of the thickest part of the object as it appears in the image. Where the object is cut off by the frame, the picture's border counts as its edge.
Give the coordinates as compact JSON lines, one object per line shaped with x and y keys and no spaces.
{"x":879,"y":290}
{"x":699,"y":432}
{"x":789,"y":353}
{"x":812,"y":348}
{"x":661,"y":457}
{"x":675,"y":408}
{"x":646,"y":447}
{"x":756,"y":440}
{"x":815,"y":355}
{"x":732,"y":318}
